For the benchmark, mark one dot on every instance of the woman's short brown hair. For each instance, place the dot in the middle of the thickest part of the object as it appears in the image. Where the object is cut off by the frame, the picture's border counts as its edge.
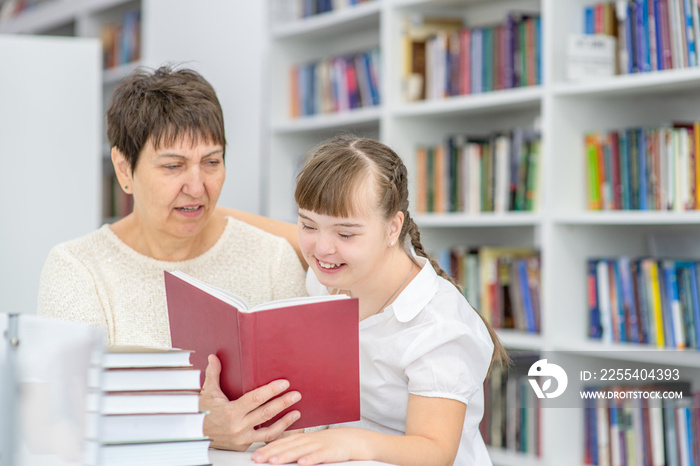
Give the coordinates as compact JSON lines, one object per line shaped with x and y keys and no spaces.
{"x":163,"y":106}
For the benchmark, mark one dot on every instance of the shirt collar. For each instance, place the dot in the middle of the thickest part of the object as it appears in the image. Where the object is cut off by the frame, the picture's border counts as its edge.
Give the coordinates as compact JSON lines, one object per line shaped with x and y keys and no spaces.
{"x":417,"y":294}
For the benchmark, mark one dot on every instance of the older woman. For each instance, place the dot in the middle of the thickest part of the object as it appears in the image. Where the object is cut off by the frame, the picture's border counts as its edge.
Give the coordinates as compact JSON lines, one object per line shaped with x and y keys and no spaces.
{"x":168,"y":144}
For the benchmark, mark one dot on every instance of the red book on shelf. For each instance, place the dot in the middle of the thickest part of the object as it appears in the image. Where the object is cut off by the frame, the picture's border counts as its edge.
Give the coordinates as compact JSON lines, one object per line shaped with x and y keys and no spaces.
{"x":310,"y":341}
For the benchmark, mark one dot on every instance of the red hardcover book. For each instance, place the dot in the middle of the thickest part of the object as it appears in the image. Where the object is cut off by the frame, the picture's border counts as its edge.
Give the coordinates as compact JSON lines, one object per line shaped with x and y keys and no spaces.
{"x":465,"y":86}
{"x":312,"y":342}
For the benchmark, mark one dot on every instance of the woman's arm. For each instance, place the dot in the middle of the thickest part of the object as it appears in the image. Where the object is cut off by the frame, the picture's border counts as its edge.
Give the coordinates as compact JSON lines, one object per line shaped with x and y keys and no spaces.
{"x":286,"y":230}
{"x":433,"y":432}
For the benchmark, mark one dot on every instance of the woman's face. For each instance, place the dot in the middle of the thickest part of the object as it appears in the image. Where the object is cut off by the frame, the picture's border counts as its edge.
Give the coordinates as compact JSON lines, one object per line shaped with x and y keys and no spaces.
{"x":176,"y":188}
{"x":344,"y":253}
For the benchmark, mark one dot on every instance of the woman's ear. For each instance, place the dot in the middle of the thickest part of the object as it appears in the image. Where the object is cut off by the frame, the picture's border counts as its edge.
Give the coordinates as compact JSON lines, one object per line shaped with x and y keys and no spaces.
{"x":122,"y":170}
{"x":395,"y":226}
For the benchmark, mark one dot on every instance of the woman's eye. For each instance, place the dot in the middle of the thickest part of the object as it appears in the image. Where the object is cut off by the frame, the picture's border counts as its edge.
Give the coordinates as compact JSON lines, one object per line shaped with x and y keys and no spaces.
{"x":345,"y":235}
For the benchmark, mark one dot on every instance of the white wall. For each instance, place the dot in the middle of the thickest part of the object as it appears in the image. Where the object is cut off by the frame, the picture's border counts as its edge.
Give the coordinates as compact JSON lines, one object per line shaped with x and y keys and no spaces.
{"x":230,"y":56}
{"x":50,"y":127}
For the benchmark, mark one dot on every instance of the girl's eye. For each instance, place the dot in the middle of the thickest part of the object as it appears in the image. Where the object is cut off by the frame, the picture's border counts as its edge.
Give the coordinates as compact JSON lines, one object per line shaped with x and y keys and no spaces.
{"x":345,"y":235}
{"x":306,"y":227}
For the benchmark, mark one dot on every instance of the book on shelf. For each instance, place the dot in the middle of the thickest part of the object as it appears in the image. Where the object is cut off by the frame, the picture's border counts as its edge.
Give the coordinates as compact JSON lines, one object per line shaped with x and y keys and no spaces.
{"x":473,"y":174}
{"x":512,"y":412}
{"x":502,"y":283}
{"x":651,"y":35}
{"x":443,"y":57}
{"x":622,"y":425}
{"x":310,"y":341}
{"x":645,"y":300}
{"x":647,"y":168}
{"x":121,"y":41}
{"x":335,"y":84}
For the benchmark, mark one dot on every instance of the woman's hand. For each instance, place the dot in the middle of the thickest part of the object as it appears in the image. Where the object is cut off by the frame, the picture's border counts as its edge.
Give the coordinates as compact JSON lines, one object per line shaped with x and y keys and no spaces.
{"x":231,"y":424}
{"x":326,"y":446}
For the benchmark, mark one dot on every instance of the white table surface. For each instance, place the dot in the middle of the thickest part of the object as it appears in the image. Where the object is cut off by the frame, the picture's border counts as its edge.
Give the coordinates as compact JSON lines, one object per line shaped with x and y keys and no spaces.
{"x":237,"y":458}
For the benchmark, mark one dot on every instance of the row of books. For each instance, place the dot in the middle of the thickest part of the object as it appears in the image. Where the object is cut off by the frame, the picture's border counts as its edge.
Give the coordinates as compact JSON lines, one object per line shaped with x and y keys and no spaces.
{"x":115,"y":202}
{"x":503,"y":284}
{"x":336,"y":84}
{"x":472,"y":174}
{"x":444,"y":57}
{"x":646,"y":300}
{"x":636,"y":429}
{"x":653,"y":168}
{"x":651,"y":34}
{"x":145,"y":409}
{"x":121,"y":42}
{"x":512,"y":412}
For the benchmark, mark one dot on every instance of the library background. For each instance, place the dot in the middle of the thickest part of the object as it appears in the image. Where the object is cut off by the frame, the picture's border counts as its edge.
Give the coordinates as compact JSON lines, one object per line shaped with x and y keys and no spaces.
{"x":553,"y":148}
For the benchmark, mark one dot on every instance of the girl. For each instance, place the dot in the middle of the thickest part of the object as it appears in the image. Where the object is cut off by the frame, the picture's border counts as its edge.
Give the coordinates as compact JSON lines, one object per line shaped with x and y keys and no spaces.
{"x":424,"y":352}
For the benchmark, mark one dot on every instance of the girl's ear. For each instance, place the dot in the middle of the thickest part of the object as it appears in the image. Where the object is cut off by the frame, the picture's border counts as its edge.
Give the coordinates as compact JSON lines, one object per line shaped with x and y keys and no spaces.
{"x":122,"y":170}
{"x":395,"y":226}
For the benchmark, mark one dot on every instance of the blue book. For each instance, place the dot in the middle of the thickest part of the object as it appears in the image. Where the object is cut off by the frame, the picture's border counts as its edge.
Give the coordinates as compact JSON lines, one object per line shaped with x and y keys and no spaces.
{"x":642,"y":167}
{"x":646,"y":56}
{"x":589,"y":20}
{"x":685,"y":292}
{"x":692,"y":433}
{"x":669,"y":303}
{"x":621,"y":320}
{"x":657,"y":30}
{"x":594,"y":328}
{"x":630,"y":38}
{"x":526,"y":296}
{"x":687,"y":20}
{"x":628,"y":301}
{"x":695,"y":296}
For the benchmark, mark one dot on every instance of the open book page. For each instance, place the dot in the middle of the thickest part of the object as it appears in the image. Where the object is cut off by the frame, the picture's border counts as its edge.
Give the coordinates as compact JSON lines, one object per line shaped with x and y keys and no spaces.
{"x":240,"y":304}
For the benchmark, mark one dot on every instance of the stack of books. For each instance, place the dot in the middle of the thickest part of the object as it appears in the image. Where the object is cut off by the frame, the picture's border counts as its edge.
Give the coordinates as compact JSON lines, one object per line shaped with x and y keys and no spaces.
{"x":145,"y":409}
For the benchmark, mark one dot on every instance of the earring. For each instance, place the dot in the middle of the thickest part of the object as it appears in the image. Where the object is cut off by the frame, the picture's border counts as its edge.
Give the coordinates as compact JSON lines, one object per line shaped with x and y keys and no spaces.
{"x":391,"y":244}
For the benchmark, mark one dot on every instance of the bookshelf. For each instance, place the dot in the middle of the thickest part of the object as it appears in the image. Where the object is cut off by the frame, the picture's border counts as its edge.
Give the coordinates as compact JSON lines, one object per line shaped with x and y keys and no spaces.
{"x":562,"y":228}
{"x":179,"y":32}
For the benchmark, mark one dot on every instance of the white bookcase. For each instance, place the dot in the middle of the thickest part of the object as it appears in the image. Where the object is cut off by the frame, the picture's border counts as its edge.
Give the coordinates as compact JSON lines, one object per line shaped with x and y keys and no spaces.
{"x":562,"y":228}
{"x":49,"y":128}
{"x":193,"y":34}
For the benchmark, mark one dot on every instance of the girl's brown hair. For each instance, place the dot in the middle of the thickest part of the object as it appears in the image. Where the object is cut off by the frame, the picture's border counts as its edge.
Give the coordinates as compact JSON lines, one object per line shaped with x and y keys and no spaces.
{"x":333,"y":174}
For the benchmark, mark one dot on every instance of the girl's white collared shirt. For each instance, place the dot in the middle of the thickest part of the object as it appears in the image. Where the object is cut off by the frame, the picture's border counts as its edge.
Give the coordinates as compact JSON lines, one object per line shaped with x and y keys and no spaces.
{"x":429,"y":342}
